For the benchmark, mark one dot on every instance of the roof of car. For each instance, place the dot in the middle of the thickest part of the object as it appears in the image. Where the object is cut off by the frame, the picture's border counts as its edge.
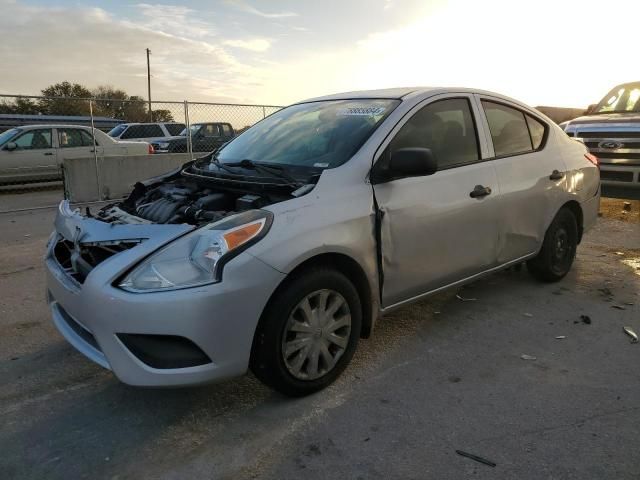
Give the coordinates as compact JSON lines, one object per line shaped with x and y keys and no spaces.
{"x":399,"y":93}
{"x":52,"y":125}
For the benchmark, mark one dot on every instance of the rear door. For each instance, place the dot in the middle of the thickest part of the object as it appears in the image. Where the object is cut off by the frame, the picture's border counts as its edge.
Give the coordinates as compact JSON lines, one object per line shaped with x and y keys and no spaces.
{"x":433,"y":232}
{"x":34,"y":159}
{"x":531,"y":175}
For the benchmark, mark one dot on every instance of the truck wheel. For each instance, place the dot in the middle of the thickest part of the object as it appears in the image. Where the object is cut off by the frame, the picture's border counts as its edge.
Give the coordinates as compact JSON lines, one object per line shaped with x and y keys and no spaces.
{"x":308,"y":332}
{"x":558,"y":249}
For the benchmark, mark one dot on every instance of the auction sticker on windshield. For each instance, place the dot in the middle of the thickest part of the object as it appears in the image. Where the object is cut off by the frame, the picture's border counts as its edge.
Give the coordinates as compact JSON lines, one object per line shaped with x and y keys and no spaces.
{"x":362,"y":111}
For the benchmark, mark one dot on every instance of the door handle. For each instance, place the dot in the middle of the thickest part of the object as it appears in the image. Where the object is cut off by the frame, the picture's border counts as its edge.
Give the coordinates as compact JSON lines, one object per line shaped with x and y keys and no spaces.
{"x":93,"y":150}
{"x":479,"y":191}
{"x":556,"y":175}
{"x":48,"y":153}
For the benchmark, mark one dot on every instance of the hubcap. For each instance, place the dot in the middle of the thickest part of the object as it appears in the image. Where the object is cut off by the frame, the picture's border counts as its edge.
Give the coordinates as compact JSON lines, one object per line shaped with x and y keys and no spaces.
{"x":561,"y":245}
{"x":316,"y":335}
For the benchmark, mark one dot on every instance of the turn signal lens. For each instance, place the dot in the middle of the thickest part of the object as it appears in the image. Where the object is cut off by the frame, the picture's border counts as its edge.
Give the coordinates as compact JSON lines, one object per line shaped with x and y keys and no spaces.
{"x":243,"y":234}
{"x":593,"y":159}
{"x":150,"y":149}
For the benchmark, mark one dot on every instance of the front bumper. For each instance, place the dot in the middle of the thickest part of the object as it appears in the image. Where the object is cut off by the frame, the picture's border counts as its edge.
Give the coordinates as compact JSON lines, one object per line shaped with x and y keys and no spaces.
{"x":220,"y":318}
{"x":620,"y":180}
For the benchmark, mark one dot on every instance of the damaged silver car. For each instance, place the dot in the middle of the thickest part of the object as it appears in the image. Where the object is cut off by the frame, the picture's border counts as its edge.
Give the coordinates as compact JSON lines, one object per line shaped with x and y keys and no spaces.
{"x":280,"y":250}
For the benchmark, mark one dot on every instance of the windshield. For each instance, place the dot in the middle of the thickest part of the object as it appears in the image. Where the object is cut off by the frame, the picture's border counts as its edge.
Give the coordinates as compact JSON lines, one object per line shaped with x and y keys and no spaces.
{"x":622,"y":99}
{"x":194,"y":129}
{"x":318,"y":134}
{"x":117,"y":131}
{"x":8,"y":135}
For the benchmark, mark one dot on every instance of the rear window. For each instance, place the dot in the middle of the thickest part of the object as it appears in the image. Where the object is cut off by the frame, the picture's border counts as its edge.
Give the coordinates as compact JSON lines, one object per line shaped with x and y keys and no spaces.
{"x":143,"y":131}
{"x":174,"y":128}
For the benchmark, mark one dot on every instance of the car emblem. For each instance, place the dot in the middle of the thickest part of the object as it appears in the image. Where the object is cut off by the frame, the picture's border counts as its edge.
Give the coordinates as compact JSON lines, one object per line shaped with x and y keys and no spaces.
{"x":610,"y":144}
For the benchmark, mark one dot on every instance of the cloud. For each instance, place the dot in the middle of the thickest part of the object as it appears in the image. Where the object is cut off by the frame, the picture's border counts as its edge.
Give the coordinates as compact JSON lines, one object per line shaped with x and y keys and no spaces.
{"x":240,"y":4}
{"x":91,"y":47}
{"x":255,"y":45}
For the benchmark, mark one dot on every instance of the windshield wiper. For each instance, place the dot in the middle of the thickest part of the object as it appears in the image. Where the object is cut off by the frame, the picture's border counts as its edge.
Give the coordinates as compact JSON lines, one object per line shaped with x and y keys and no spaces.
{"x":222,"y":166}
{"x":276,"y":171}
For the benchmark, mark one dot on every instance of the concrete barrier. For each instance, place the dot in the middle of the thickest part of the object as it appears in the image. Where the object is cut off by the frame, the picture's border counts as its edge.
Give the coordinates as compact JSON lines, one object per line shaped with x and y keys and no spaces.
{"x":117,"y":174}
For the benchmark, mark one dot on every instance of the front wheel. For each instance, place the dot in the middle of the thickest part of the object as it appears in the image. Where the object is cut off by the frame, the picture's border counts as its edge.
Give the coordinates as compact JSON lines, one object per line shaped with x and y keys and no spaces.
{"x":308,"y":333}
{"x":558,"y":249}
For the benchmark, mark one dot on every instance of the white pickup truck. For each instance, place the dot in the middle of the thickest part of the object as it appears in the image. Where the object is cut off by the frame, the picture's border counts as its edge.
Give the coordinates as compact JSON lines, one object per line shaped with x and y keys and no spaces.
{"x":611,"y":131}
{"x":33,"y":154}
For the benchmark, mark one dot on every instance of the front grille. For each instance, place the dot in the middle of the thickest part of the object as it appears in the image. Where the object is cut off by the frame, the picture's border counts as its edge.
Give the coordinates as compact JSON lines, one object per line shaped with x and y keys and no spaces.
{"x":78,"y":262}
{"x":633,"y":144}
{"x":80,"y":330}
{"x":627,"y":151}
{"x":616,"y":176}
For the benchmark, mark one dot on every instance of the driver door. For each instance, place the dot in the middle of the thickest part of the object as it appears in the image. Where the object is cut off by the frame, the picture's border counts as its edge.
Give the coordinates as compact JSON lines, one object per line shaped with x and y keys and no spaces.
{"x":433,"y":230}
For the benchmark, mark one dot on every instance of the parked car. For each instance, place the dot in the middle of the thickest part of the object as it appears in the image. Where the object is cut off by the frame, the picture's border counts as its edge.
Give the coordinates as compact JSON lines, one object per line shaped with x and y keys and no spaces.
{"x":146,"y":131}
{"x":611,"y":131}
{"x":205,"y":137}
{"x":34,"y":153}
{"x":279,"y":251}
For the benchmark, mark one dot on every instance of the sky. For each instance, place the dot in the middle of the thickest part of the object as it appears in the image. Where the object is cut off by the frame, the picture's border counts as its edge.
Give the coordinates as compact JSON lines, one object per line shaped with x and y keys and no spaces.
{"x":543,"y":52}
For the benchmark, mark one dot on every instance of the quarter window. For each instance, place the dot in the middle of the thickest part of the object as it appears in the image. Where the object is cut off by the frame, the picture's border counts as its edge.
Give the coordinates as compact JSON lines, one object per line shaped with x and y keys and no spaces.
{"x":446,"y":127}
{"x":536,"y":129}
{"x":34,"y":140}
{"x":508,"y":128}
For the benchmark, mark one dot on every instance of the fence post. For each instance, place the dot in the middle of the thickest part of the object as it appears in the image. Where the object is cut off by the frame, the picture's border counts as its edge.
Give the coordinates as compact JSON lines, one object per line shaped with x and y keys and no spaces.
{"x":264,"y":113}
{"x":188,"y":124}
{"x":95,"y":151}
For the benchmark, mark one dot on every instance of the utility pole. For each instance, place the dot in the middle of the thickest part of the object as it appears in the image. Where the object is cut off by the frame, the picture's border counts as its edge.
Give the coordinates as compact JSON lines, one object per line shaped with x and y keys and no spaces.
{"x":149,"y":85}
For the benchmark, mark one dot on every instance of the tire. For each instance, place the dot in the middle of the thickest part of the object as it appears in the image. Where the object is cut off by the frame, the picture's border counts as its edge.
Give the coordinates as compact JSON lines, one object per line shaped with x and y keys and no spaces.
{"x":558,"y":249}
{"x":319,"y":335}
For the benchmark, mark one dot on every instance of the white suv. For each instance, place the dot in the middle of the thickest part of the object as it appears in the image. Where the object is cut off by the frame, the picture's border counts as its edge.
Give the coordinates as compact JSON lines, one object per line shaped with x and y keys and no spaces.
{"x":146,"y":131}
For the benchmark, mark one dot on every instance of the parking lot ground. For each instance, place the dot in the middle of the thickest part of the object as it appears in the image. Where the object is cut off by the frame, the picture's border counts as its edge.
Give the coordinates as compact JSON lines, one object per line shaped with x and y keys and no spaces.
{"x":437,"y":376}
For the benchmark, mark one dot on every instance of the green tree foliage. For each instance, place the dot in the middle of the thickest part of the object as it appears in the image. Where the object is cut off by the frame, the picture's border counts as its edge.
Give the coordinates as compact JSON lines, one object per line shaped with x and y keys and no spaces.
{"x":162,"y":115}
{"x":21,"y":105}
{"x":70,"y":99}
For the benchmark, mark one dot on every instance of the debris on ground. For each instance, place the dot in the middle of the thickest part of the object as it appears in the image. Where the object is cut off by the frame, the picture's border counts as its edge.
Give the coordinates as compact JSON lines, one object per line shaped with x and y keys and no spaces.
{"x":476,"y":458}
{"x":459,"y":297}
{"x":524,"y":356}
{"x":626,"y":207}
{"x":629,"y":331}
{"x":618,"y":307}
{"x":528,"y":315}
{"x":620,"y":253}
{"x":586,"y":319}
{"x":561,"y":337}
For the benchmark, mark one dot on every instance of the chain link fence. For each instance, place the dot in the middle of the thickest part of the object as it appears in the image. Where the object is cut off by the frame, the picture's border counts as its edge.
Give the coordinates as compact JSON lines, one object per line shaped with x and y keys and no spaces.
{"x":158,"y":119}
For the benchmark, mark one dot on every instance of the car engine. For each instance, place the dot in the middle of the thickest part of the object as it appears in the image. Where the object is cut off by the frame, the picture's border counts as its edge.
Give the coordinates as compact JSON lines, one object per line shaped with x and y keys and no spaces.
{"x":182,"y":201}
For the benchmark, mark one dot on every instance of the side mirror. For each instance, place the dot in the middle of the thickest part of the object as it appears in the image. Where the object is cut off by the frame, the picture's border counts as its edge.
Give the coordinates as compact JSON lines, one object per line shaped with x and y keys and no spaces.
{"x":11,"y":146}
{"x":412,"y":162}
{"x":591,"y":108}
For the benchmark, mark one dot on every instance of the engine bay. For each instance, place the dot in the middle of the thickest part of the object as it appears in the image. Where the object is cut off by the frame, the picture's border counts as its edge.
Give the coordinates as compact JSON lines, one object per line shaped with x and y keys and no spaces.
{"x":181,"y":200}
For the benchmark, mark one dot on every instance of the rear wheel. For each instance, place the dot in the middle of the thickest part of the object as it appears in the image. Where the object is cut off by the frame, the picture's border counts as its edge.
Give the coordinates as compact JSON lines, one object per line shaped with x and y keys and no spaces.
{"x":558,"y":249}
{"x":308,"y":333}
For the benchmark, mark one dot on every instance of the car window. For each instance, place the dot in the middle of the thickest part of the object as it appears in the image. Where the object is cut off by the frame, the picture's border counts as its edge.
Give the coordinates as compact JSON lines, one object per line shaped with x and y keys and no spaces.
{"x":226,"y":129}
{"x":537,"y":130}
{"x":210,"y":130}
{"x":447,"y":128}
{"x":143,"y":131}
{"x":34,"y":140}
{"x":174,"y":128}
{"x":116,"y":131}
{"x":73,"y":137}
{"x":508,"y":127}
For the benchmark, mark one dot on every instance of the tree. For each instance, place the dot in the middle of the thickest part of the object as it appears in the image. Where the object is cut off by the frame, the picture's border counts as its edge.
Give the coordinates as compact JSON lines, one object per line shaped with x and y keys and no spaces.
{"x":109,"y":101}
{"x":68,"y":101}
{"x":20,"y":105}
{"x":162,"y":115}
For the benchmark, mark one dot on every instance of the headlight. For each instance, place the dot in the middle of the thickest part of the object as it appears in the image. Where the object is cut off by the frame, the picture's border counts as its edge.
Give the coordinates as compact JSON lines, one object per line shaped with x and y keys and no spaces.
{"x":198,"y":257}
{"x":163,"y":145}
